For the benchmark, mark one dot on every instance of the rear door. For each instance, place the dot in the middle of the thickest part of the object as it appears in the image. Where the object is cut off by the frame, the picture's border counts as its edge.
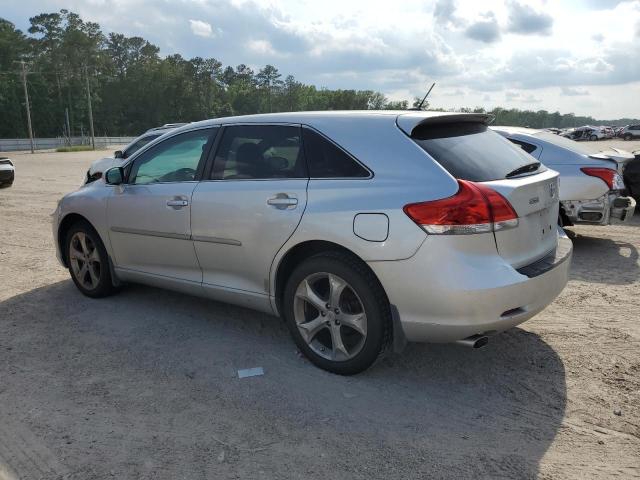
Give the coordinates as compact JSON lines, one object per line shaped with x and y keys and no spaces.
{"x":248,"y":206}
{"x":471,"y":151}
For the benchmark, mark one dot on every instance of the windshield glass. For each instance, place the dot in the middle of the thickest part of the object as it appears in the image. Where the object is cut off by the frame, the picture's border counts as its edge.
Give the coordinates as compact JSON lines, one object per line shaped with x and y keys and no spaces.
{"x":470,"y":151}
{"x":565,"y":142}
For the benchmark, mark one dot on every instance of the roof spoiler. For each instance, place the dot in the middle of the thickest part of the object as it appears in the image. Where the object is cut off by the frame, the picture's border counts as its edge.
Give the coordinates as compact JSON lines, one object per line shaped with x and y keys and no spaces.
{"x":408,"y":122}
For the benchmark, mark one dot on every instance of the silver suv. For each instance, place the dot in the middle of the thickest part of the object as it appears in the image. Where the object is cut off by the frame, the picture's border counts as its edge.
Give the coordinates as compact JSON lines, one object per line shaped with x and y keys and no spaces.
{"x":630,"y":132}
{"x":361,"y":229}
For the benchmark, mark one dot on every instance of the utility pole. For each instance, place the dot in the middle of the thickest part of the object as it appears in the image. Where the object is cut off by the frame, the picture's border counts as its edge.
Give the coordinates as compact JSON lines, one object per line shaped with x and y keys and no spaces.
{"x":93,"y":137}
{"x":67,"y":126}
{"x":26,"y":101}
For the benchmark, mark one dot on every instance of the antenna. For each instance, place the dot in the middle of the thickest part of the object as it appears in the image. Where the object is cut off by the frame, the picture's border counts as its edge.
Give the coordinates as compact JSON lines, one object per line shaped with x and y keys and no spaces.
{"x":419,"y":107}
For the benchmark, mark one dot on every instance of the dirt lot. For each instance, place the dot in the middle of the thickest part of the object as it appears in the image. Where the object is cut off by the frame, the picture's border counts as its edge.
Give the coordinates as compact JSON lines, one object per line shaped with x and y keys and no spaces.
{"x":144,"y":384}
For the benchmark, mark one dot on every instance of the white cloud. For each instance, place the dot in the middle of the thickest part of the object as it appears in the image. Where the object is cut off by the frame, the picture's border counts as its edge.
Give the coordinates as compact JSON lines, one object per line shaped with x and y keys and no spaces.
{"x":263,"y":47}
{"x":201,"y":29}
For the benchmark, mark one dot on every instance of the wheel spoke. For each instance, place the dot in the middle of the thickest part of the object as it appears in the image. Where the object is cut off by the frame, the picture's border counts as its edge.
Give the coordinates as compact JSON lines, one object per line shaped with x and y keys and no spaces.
{"x":82,"y":273}
{"x":94,"y":255}
{"x":82,"y":240}
{"x":357,"y":321}
{"x":336,"y":287}
{"x":339,"y":350}
{"x":94,"y":277}
{"x":311,"y":328}
{"x":75,"y":253}
{"x":305,"y":292}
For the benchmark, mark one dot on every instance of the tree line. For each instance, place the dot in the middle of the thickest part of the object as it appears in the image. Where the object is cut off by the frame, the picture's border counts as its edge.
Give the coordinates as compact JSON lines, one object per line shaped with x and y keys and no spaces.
{"x":134,"y":88}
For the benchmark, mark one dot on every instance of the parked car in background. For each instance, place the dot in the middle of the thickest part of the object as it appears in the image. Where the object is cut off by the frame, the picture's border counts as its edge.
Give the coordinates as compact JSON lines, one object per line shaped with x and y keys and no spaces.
{"x":361,"y":229}
{"x":100,"y":166}
{"x":591,"y":183}
{"x":585,"y":133}
{"x":630,"y":132}
{"x":608,"y":132}
{"x":7,"y":172}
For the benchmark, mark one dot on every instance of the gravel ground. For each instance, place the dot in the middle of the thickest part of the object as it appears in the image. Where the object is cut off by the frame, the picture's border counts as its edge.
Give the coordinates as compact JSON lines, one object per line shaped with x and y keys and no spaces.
{"x":144,"y":384}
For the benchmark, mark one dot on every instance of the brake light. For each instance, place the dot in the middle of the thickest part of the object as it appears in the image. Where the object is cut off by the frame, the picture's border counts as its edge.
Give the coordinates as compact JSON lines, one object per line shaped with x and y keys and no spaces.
{"x":607,"y":175}
{"x":475,"y":208}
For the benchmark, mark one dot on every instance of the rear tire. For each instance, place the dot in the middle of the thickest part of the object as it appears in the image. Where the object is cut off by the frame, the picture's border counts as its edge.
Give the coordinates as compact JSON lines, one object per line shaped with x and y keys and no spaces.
{"x":337,"y":312}
{"x":627,"y":136}
{"x":593,"y":138}
{"x":88,"y":261}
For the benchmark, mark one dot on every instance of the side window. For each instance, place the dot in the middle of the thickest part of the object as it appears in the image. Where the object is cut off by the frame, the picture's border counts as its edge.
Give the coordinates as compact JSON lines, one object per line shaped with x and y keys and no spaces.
{"x":527,"y":147}
{"x":259,"y":152}
{"x":326,"y":160}
{"x":174,"y":160}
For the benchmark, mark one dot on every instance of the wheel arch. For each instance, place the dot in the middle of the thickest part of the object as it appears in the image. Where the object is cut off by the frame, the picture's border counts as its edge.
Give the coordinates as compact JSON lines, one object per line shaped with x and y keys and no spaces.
{"x":65,"y":224}
{"x":300,"y":252}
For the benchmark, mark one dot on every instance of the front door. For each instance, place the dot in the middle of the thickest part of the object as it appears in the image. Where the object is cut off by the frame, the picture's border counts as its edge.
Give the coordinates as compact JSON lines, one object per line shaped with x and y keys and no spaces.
{"x":249,"y":206}
{"x":149,"y":217}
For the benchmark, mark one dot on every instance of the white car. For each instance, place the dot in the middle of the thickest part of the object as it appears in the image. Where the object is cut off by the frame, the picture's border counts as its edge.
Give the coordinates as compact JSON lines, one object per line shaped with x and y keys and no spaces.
{"x":591,"y":181}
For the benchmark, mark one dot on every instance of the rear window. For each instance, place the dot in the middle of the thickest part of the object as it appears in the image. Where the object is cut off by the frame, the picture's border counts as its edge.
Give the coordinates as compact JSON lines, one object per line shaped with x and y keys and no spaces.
{"x":470,"y":151}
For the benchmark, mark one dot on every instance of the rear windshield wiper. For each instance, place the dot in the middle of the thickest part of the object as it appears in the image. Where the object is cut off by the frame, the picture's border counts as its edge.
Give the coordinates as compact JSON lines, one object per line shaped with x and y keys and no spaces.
{"x":529,"y":167}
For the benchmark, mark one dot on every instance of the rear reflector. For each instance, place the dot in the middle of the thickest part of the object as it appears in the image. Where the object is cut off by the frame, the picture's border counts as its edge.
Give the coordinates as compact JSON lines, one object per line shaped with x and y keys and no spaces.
{"x":607,"y":175}
{"x":475,"y":208}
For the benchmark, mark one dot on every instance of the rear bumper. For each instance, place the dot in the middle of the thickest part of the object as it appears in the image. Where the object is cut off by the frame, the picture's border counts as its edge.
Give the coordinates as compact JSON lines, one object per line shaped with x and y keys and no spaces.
{"x":446,"y":293}
{"x":609,"y":208}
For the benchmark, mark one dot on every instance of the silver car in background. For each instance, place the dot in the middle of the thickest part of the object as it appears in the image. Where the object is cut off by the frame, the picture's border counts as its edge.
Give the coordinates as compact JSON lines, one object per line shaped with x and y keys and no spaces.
{"x":361,"y":229}
{"x":591,"y":182}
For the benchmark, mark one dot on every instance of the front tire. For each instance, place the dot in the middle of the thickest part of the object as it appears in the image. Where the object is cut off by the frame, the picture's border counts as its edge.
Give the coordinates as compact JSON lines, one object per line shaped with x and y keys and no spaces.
{"x":337,"y":312}
{"x":627,"y":137}
{"x":88,"y":261}
{"x":593,"y":138}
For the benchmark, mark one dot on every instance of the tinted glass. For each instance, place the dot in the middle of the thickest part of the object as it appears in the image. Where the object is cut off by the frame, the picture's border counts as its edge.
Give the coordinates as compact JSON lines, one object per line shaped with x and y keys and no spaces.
{"x":259,"y":152}
{"x":527,"y":147}
{"x":326,"y":160}
{"x":470,"y":151}
{"x":174,"y":160}
{"x":137,"y":145}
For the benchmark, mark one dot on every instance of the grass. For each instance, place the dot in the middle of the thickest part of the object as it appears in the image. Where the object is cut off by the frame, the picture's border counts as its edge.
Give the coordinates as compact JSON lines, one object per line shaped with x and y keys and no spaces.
{"x":74,"y":148}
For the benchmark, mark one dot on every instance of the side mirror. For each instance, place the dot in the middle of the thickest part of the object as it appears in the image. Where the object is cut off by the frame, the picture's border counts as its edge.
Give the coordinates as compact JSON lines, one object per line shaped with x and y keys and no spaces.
{"x":114,"y":176}
{"x":118,"y":154}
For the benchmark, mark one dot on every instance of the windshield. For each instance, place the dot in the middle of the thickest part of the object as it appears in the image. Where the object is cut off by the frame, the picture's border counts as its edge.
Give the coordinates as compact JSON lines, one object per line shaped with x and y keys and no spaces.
{"x":470,"y":151}
{"x":565,"y":142}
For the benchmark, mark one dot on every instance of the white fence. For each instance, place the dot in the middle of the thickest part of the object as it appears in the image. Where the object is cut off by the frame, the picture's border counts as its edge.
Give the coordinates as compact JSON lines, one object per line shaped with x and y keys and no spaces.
{"x":15,"y":144}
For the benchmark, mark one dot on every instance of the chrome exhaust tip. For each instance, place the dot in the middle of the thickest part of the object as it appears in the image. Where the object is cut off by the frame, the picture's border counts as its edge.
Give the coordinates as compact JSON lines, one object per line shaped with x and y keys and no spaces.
{"x":474,"y":341}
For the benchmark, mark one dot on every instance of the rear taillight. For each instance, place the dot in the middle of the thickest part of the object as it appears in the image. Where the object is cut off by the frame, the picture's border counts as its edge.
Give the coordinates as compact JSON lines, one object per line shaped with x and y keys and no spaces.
{"x":607,"y":175}
{"x":475,"y":208}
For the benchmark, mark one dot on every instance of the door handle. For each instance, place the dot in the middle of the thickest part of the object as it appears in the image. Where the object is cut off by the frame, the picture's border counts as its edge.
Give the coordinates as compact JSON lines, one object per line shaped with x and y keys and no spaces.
{"x":177,"y":203}
{"x":282,"y":201}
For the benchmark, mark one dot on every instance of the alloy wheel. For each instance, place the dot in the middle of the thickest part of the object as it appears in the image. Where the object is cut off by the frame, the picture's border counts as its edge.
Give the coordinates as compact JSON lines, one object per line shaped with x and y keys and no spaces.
{"x":330,"y":316}
{"x":85,"y":260}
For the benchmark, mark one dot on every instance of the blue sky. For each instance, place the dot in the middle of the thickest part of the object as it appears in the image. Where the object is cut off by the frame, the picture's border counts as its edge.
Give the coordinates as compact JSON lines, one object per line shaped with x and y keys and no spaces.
{"x":570,"y":55}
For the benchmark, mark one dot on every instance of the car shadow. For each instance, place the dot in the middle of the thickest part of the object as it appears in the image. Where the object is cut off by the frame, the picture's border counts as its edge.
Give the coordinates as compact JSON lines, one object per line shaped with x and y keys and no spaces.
{"x":604,"y":260}
{"x":145,"y":384}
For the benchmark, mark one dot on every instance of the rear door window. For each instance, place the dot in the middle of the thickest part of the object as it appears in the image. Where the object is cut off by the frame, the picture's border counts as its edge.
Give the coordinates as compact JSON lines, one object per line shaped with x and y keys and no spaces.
{"x":470,"y":151}
{"x":327,"y":160}
{"x":259,"y":152}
